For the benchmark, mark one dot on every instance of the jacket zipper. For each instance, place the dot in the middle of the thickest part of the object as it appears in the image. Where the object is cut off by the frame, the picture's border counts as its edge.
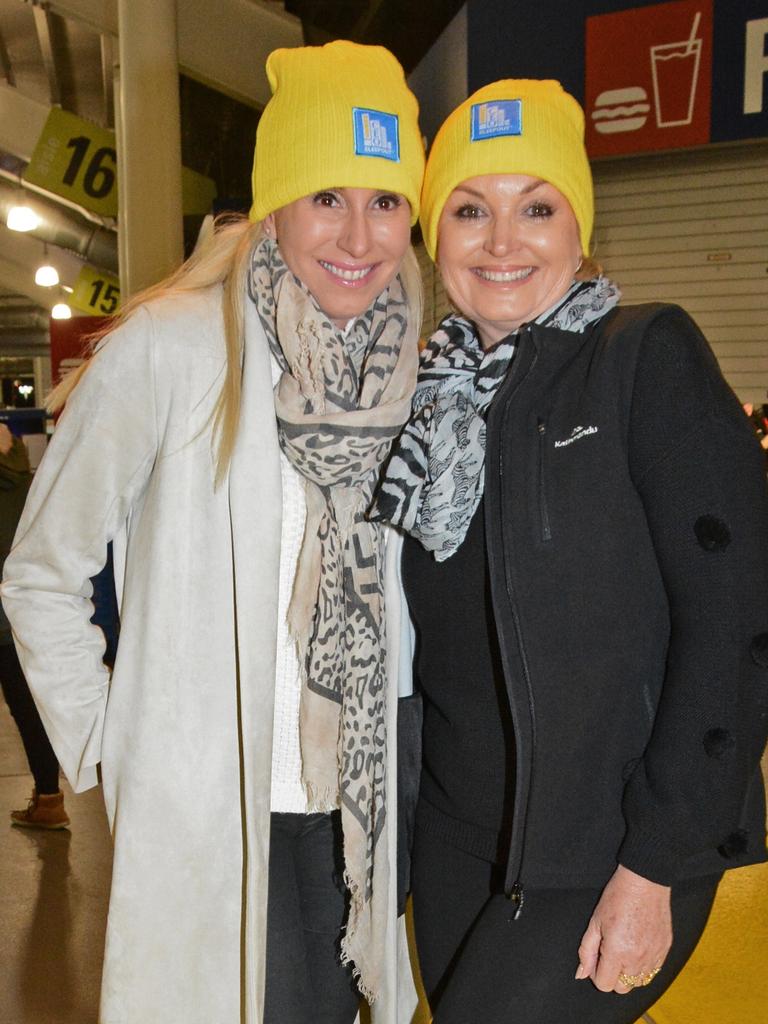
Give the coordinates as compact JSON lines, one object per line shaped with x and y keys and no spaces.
{"x":546,"y":529}
{"x":516,"y":896}
{"x":516,"y":892}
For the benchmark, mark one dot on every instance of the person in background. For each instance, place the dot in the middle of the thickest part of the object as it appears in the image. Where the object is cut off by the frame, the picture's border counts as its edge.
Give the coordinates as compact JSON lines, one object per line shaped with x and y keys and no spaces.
{"x":226,"y":436}
{"x":588,"y":576}
{"x":758,"y":417}
{"x":46,"y":805}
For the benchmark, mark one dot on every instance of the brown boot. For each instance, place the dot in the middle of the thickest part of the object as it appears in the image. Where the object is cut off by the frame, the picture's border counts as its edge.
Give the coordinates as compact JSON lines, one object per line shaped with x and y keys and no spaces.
{"x":43,"y":811}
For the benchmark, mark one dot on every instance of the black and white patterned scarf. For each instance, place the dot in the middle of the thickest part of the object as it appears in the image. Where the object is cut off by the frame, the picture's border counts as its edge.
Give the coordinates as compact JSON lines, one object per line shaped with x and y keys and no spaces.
{"x":434,"y":480}
{"x":340,"y":403}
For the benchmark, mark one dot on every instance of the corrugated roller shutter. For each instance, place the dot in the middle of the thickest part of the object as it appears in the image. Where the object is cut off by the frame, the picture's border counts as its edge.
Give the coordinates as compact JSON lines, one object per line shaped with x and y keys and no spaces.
{"x":692,"y":228}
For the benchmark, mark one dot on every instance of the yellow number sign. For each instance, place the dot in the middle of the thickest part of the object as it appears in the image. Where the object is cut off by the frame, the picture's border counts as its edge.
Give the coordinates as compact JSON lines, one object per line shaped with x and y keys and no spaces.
{"x":76,"y":159}
{"x":197,"y":192}
{"x":96,"y":293}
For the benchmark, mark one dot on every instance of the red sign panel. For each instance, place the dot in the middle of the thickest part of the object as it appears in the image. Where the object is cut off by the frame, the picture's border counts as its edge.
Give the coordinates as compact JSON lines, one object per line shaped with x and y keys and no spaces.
{"x":648,"y":78}
{"x":69,"y":342}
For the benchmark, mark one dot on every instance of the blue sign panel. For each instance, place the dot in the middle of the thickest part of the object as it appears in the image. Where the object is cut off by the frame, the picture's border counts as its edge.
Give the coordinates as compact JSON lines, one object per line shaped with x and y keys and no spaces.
{"x":547,"y":39}
{"x":740,"y":70}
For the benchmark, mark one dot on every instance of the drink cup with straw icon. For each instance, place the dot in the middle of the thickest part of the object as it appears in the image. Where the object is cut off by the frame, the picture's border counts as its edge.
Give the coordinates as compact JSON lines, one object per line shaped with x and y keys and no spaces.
{"x":675,"y":70}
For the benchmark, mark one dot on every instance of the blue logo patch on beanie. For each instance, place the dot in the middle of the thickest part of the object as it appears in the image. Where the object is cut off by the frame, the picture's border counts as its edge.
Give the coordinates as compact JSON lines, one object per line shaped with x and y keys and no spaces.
{"x":499,"y":117}
{"x":376,"y":134}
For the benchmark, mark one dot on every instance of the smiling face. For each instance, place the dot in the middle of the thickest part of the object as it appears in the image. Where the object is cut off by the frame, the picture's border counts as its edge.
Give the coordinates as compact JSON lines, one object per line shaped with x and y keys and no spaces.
{"x":344,"y":244}
{"x":508,"y":247}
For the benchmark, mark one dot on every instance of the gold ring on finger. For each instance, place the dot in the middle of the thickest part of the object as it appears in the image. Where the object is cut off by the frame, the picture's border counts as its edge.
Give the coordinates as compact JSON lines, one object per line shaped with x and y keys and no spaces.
{"x":638,"y":980}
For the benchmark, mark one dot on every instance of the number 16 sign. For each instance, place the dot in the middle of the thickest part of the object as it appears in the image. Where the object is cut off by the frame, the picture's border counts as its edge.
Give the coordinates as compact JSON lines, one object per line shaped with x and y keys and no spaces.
{"x":76,"y":159}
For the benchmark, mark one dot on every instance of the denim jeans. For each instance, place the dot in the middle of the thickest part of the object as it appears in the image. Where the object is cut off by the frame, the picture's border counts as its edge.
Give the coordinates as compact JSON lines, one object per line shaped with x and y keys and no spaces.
{"x":307,"y":908}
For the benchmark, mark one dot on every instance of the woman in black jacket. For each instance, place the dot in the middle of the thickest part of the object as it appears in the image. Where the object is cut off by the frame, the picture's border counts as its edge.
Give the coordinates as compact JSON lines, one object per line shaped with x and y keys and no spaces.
{"x":588,"y":583}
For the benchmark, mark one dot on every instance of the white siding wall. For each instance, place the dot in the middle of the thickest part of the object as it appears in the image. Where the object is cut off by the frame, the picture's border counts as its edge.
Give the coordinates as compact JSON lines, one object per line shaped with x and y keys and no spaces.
{"x":692,"y":228}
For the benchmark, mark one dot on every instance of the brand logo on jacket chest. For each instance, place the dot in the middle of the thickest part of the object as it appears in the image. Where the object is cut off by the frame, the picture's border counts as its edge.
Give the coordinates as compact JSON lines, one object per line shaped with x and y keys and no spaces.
{"x":576,"y":435}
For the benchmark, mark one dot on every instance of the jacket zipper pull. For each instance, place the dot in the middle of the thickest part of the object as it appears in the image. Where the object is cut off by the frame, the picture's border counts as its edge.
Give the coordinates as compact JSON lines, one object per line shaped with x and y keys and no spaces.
{"x":516,"y":896}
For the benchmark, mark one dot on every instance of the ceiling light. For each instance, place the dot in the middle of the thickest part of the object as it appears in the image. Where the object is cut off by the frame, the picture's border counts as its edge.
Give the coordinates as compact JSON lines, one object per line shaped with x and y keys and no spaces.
{"x":61,"y":311}
{"x":22,"y":218}
{"x":46,"y":276}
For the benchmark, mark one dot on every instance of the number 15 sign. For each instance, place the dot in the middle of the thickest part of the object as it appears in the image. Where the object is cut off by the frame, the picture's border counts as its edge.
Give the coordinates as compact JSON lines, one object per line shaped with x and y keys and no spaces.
{"x":76,"y":159}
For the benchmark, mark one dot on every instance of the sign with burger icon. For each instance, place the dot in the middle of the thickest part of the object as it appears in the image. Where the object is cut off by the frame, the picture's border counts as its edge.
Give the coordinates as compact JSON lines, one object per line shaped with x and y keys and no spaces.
{"x":620,"y":110}
{"x":648,"y":75}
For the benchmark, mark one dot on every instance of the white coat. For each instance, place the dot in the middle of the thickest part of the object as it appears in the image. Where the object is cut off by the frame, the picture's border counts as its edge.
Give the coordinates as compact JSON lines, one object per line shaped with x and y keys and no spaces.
{"x":183,"y":729}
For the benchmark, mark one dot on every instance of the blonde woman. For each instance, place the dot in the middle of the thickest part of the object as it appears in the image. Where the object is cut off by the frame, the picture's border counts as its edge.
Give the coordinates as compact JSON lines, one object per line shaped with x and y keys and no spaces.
{"x":226,"y":436}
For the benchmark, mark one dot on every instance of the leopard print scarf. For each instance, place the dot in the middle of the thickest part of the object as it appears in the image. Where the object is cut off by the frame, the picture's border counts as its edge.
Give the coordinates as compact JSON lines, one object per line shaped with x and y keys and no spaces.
{"x":340,"y":403}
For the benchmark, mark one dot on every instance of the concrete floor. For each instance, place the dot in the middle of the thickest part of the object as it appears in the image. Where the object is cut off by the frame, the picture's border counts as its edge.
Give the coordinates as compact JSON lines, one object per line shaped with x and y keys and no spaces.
{"x":54,"y":888}
{"x":53,"y":899}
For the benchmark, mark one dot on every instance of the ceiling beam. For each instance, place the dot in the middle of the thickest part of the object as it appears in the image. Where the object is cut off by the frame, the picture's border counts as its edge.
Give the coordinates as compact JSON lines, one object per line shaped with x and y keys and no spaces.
{"x":21,"y":122}
{"x":366,"y":19}
{"x":5,"y":63}
{"x":224,"y":45}
{"x":45,"y":41}
{"x":108,"y":78}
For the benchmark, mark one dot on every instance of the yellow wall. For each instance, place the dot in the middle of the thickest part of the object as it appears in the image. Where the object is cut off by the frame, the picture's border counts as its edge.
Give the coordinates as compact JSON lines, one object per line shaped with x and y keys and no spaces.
{"x":726,"y":979}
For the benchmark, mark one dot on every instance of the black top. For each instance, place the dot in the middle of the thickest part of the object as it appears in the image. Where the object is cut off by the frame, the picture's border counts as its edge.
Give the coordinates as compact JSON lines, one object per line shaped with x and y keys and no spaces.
{"x":467,"y":781}
{"x":626,"y":525}
{"x":15,"y":478}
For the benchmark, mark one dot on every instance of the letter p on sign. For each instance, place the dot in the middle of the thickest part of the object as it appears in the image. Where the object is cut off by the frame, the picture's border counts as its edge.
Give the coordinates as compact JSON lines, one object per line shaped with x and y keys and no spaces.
{"x":755,"y":65}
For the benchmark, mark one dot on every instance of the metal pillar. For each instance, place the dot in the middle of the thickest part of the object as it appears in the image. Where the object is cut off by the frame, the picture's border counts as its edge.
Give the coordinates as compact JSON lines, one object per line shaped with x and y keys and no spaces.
{"x":148,"y":144}
{"x":41,"y":367}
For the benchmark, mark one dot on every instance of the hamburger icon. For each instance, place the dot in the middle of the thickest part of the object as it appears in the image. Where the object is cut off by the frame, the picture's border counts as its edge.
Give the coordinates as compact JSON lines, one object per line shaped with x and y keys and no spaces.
{"x":621,"y":110}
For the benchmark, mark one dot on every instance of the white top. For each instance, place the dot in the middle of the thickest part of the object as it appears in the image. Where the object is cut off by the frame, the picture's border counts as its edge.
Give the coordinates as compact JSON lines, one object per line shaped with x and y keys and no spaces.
{"x":287,"y":794}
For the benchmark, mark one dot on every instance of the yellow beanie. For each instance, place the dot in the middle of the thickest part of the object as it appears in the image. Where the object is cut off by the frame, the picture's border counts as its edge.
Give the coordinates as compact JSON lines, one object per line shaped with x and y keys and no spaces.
{"x":340,"y":116}
{"x":515,"y":126}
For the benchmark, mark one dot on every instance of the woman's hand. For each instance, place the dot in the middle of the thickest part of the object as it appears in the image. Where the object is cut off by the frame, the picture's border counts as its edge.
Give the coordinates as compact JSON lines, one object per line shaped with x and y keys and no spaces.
{"x":629,"y":933}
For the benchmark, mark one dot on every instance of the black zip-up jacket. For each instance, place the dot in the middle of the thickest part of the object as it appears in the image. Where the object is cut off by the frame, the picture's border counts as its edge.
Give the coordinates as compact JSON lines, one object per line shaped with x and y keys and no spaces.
{"x":627,"y":532}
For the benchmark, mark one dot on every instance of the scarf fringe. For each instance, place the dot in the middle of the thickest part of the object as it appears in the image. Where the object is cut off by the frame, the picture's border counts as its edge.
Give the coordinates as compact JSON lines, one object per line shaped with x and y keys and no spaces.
{"x":356,"y":908}
{"x":368,"y":995}
{"x":320,"y":799}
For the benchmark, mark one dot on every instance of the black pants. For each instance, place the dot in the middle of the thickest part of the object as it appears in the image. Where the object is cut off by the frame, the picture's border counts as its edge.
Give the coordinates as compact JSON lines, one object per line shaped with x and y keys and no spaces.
{"x":306,"y":982}
{"x":479,"y":964}
{"x":40,"y":755}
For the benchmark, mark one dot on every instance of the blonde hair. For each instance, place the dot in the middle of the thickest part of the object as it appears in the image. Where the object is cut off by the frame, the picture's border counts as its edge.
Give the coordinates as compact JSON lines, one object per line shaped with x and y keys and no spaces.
{"x":588,"y":268}
{"x":222,"y":258}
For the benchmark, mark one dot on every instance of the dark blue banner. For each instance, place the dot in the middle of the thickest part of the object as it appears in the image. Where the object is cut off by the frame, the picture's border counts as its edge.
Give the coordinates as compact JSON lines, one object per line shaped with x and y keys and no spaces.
{"x":740,"y":70}
{"x":547,"y":39}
